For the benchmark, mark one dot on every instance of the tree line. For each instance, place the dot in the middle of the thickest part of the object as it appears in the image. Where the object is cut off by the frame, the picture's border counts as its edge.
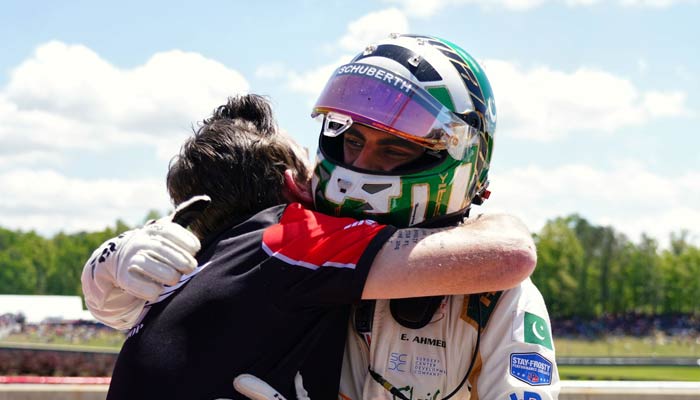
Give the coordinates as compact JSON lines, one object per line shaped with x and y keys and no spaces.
{"x":588,"y":271}
{"x":33,"y":264}
{"x":582,"y":270}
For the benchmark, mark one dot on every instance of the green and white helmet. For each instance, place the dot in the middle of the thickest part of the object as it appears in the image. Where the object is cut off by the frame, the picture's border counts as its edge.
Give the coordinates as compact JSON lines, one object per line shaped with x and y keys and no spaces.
{"x":425,"y":90}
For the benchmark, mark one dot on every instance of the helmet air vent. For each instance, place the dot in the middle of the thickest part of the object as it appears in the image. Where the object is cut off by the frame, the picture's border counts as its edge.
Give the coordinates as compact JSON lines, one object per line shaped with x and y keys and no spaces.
{"x":373,"y":188}
{"x":366,"y":207}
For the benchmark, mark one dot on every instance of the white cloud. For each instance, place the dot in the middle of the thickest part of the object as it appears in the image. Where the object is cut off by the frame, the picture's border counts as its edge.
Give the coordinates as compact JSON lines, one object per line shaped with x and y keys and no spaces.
{"x":311,"y":82}
{"x":373,"y":27}
{"x":50,"y":202}
{"x":546,"y":104}
{"x":361,"y":32}
{"x":32,"y":157}
{"x":65,"y":100}
{"x":67,"y":96}
{"x":628,"y":197}
{"x":428,"y":8}
{"x":420,"y":8}
{"x":660,"y":104}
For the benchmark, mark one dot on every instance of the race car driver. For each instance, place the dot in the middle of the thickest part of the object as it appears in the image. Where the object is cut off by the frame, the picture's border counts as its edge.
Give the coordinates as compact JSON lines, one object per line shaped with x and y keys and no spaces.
{"x":407,"y":139}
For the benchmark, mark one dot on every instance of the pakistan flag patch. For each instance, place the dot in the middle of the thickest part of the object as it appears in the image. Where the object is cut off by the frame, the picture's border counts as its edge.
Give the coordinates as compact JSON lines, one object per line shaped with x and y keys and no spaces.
{"x":531,"y":328}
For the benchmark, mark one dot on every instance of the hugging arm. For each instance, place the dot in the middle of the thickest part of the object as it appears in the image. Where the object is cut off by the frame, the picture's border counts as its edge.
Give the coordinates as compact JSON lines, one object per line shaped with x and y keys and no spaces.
{"x":486,"y":253}
{"x":127,"y":271}
{"x":132,"y":268}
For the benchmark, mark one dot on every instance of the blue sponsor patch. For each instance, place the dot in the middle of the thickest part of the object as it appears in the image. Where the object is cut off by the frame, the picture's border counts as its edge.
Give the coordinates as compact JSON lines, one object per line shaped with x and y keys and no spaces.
{"x":531,"y":368}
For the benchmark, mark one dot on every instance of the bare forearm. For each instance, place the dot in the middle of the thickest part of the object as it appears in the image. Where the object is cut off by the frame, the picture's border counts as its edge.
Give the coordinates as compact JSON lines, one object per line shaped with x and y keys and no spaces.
{"x":487,"y":253}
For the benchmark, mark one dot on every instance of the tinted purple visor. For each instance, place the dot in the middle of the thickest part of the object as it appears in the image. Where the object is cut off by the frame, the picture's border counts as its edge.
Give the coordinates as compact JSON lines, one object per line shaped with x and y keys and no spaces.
{"x":381,"y":99}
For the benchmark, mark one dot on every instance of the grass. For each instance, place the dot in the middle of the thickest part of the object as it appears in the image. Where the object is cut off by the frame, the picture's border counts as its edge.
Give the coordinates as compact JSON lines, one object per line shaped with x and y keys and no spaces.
{"x":626,"y":346}
{"x":106,"y":339}
{"x":607,"y":347}
{"x":616,"y":346}
{"x":629,"y":373}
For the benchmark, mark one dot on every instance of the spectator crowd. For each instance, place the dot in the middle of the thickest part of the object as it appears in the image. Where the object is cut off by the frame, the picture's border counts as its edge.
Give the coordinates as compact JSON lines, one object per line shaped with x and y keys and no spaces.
{"x":627,"y":324}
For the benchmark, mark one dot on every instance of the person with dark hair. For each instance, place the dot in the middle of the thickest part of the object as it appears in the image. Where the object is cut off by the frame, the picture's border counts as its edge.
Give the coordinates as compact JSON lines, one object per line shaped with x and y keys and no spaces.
{"x":241,"y":167}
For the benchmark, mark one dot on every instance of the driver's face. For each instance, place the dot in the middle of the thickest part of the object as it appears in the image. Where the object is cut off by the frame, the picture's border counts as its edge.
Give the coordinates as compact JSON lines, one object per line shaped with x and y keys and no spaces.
{"x":374,"y":150}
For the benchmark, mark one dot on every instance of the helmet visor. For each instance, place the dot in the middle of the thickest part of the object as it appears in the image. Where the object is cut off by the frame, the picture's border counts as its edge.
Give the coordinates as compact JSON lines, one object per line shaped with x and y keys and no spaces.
{"x":384,"y":100}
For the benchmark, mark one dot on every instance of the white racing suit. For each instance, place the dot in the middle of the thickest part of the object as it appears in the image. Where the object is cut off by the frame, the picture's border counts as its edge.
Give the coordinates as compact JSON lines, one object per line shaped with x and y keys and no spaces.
{"x":515,"y":358}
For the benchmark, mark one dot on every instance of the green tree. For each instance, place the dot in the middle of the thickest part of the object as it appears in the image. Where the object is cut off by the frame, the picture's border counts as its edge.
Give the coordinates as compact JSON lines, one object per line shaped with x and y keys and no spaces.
{"x":559,"y":265}
{"x":643,"y":278}
{"x":606,"y":266}
{"x":582,"y":270}
{"x":32,"y":264}
{"x":680,"y":266}
{"x":24,"y":258}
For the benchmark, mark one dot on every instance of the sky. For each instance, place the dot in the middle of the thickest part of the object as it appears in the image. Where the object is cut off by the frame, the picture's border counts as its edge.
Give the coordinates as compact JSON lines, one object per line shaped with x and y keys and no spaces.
{"x":598,"y":101}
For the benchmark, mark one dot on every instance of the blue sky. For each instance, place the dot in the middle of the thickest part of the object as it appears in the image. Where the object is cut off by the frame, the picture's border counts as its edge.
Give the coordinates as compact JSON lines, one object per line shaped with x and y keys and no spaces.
{"x":598,"y":101}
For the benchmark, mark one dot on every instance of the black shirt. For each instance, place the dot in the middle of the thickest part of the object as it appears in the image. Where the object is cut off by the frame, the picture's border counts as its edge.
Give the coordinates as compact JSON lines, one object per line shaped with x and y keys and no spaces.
{"x":270,"y":297}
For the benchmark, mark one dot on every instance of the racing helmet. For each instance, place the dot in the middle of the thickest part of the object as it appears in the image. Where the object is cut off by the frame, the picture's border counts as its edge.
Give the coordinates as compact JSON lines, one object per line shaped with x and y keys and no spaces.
{"x":422,"y":89}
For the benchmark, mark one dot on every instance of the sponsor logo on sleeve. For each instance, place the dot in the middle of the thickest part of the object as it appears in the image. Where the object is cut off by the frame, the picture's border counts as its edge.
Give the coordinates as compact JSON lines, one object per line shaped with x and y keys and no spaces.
{"x":533,"y":329}
{"x":531,"y":368}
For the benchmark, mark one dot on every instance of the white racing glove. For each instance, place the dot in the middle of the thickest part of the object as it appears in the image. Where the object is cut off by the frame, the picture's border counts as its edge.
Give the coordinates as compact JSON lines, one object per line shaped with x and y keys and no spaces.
{"x":256,"y":389}
{"x":132,"y":268}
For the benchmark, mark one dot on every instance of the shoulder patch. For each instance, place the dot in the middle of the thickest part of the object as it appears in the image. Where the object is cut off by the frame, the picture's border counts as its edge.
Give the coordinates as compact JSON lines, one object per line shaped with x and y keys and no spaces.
{"x":531,"y":328}
{"x":531,"y":368}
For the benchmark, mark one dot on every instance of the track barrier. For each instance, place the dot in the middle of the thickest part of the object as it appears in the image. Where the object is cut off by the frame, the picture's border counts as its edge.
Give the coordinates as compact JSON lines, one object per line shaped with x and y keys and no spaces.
{"x":95,"y":388}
